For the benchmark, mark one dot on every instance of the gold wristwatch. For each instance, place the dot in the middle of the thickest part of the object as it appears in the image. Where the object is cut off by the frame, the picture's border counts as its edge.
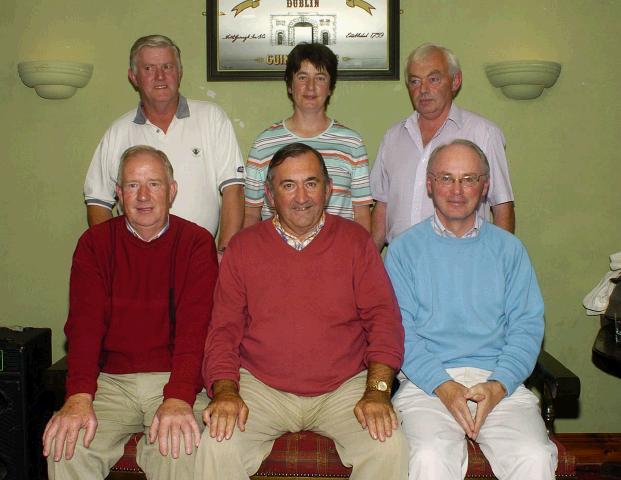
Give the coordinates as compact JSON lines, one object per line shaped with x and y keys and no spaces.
{"x":378,"y":385}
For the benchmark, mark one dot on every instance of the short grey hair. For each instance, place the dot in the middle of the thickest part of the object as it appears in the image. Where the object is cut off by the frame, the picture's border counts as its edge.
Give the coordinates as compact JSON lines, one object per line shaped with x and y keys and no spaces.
{"x":137,"y":150}
{"x":154,"y":41}
{"x":466,"y":143}
{"x":422,"y":51}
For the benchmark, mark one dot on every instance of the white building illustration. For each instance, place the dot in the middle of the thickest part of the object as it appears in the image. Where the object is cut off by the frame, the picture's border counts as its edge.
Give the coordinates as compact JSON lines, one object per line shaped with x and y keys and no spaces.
{"x":293,"y":29}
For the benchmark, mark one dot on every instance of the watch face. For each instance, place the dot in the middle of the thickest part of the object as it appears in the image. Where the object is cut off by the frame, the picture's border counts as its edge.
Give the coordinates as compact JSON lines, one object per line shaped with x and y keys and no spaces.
{"x":382,"y":386}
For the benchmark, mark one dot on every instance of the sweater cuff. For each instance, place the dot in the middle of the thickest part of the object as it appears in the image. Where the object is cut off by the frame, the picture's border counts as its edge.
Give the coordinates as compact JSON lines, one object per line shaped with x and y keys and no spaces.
{"x":181,"y":391}
{"x":510,"y":385}
{"x":209,"y":383}
{"x":430,"y":382}
{"x":84,"y":386}
{"x":438,"y":380}
{"x":393,"y":361}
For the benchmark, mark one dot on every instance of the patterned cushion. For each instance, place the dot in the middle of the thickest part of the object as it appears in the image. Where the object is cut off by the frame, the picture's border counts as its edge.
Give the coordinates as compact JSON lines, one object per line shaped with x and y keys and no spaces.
{"x":308,"y":454}
{"x":127,"y":463}
{"x":303,"y":453}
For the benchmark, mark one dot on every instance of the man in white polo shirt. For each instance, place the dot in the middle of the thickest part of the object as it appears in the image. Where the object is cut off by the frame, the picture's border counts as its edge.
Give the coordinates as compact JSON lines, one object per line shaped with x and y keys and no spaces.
{"x":197,"y":137}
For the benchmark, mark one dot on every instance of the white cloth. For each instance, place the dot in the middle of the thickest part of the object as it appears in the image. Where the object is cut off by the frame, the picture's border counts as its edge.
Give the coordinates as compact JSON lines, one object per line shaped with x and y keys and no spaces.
{"x":596,"y":301}
{"x":201,"y":146}
{"x":398,"y":175}
{"x":513,"y":437}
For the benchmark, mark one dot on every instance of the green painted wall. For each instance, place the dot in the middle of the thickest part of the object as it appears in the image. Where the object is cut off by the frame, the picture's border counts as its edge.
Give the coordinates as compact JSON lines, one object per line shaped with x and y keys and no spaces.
{"x":562,"y":148}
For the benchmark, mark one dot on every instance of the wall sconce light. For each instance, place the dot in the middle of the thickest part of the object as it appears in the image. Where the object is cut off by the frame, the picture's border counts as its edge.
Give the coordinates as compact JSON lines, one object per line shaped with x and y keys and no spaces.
{"x":55,"y":80}
{"x":523,"y":79}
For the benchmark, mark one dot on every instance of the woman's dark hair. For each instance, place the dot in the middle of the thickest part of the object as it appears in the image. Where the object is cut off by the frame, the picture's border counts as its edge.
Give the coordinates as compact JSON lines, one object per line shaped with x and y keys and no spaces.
{"x":319,"y":55}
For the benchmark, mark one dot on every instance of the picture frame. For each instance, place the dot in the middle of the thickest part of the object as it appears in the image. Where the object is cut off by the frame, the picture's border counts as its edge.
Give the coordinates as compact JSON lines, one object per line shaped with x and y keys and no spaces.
{"x":250,"y":39}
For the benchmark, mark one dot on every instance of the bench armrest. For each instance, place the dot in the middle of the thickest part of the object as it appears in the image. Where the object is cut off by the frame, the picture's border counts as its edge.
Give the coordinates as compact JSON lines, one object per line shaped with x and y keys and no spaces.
{"x":556,"y":383}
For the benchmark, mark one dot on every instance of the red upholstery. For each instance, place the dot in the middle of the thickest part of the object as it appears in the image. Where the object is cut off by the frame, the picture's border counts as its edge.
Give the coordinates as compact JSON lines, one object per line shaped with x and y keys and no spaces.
{"x":304,"y":453}
{"x":308,"y":454}
{"x":127,"y":463}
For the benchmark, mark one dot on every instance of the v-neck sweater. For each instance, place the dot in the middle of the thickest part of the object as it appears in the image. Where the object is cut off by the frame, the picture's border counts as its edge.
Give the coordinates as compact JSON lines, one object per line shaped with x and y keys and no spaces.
{"x":119,"y":317}
{"x":302,"y":321}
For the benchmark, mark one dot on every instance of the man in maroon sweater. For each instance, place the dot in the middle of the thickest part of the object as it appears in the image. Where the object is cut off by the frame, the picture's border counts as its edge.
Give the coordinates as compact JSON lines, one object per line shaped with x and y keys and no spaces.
{"x":140,"y":302}
{"x":306,"y":335}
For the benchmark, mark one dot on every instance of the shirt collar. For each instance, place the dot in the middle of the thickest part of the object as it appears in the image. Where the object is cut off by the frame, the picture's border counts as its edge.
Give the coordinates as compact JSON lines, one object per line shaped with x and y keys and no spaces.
{"x":183,"y":111}
{"x":455,"y":116}
{"x":441,"y":230}
{"x":135,"y":233}
{"x":293,"y":241}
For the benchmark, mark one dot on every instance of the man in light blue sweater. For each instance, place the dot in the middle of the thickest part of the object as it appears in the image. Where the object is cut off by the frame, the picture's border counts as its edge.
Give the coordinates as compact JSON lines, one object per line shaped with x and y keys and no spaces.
{"x":473,"y":318}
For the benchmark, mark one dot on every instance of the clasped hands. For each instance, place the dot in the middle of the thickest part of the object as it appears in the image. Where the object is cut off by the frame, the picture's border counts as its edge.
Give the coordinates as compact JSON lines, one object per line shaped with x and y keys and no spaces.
{"x":455,"y":397}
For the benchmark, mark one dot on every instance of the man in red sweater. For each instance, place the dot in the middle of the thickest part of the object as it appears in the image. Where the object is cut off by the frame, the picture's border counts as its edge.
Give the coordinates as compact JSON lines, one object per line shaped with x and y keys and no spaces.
{"x":140,"y":302}
{"x":306,"y":335}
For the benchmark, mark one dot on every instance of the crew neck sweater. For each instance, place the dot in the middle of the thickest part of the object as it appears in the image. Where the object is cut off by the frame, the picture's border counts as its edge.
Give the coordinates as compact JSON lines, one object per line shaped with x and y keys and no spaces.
{"x":119,"y":319}
{"x":466,"y":302}
{"x":303,"y":321}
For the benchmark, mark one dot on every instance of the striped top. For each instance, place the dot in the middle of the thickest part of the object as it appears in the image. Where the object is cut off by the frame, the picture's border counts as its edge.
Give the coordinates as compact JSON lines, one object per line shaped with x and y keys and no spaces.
{"x":346,"y":159}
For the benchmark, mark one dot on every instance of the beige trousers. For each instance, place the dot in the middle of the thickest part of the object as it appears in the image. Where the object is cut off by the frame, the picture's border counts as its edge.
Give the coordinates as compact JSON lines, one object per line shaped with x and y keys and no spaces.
{"x":126,"y":404}
{"x":273,"y":413}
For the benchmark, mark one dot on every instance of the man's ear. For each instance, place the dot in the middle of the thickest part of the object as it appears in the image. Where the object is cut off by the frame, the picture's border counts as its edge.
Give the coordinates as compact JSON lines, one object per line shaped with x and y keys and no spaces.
{"x":485,"y":187}
{"x":428,"y":183}
{"x":132,"y":78}
{"x":172,"y":192}
{"x":456,"y":82}
{"x":268,"y":193}
{"x":328,"y":190}
{"x":119,"y":194}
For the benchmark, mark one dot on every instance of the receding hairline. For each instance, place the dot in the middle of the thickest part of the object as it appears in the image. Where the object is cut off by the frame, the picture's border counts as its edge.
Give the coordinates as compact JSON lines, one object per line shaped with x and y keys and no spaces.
{"x":298,"y":155}
{"x":297,"y":150}
{"x":424,"y":50}
{"x":473,"y":147}
{"x":138,"y":150}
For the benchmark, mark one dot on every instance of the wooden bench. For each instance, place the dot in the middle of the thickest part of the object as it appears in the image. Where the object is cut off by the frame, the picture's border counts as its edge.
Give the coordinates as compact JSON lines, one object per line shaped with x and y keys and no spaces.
{"x":309,"y":455}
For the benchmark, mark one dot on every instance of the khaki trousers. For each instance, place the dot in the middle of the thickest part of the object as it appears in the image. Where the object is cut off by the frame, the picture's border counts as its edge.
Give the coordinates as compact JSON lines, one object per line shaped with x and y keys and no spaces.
{"x":273,"y":413}
{"x":126,"y":404}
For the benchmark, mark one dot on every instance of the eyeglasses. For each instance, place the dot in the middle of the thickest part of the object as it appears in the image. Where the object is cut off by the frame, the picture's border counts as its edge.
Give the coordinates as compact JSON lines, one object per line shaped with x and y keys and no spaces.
{"x":467,"y":181}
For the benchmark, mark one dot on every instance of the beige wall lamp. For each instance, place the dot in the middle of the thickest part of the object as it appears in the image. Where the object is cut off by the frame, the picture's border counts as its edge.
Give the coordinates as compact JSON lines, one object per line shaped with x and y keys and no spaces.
{"x":523,"y":79}
{"x":54,"y":79}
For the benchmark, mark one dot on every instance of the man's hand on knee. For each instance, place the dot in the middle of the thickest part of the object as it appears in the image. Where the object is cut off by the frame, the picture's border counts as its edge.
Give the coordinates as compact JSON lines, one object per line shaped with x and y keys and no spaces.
{"x":454,"y":397}
{"x":225,"y":410}
{"x":172,"y":420}
{"x":63,"y":428}
{"x":374,"y":411}
{"x":486,"y":395}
